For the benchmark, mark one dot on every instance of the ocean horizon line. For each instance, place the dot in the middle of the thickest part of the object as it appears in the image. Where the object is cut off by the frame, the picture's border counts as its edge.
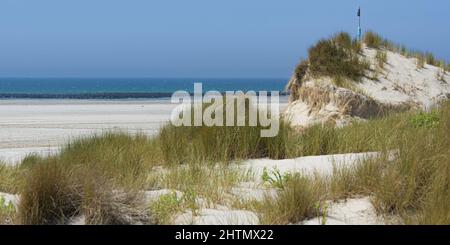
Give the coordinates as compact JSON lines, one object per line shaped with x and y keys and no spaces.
{"x":115,"y":95}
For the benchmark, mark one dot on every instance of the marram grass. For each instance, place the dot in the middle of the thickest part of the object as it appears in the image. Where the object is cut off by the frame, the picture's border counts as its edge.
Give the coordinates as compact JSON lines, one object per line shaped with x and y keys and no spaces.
{"x":102,"y":176}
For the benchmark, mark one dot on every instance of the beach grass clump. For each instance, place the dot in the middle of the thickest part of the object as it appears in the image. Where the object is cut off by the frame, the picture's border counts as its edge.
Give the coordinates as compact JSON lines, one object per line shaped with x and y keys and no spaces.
{"x":98,"y":177}
{"x":213,"y":144}
{"x":373,"y":40}
{"x":50,"y":194}
{"x":420,"y":61}
{"x":381,"y":58}
{"x":10,"y":178}
{"x":121,"y":156}
{"x":336,"y":57}
{"x":415,"y":183}
{"x":431,"y":59}
{"x":355,"y":180}
{"x":374,"y":135}
{"x":296,"y":201}
{"x":301,"y":69}
{"x":166,"y":207}
{"x":295,"y":84}
{"x":103,"y":203}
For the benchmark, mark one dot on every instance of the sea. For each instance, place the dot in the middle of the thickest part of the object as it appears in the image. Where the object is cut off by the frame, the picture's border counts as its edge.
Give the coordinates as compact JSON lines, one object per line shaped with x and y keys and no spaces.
{"x":127,"y":88}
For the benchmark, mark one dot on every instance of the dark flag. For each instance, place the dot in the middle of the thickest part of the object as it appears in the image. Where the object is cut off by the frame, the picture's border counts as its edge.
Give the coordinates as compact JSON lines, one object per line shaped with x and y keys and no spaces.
{"x":359,"y":12}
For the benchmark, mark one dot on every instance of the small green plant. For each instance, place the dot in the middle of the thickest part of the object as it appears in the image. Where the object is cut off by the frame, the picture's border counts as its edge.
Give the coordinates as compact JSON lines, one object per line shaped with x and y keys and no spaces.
{"x":322,"y":209}
{"x":7,"y":211}
{"x":165,"y":207}
{"x":190,"y":200}
{"x":426,"y":120}
{"x":275,"y":178}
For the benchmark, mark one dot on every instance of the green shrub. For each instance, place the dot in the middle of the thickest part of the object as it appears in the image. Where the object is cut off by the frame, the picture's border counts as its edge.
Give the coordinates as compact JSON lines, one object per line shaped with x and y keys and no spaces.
{"x":428,"y":120}
{"x":165,"y":207}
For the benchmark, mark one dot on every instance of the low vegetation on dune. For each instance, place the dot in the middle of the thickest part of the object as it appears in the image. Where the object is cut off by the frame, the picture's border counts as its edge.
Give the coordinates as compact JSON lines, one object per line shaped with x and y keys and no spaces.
{"x":212,"y":144}
{"x":98,"y":177}
{"x":337,"y":57}
{"x":102,"y":176}
{"x":103,"y":179}
{"x":221,"y":144}
{"x":10,"y":178}
{"x":376,"y":41}
{"x":340,"y":57}
{"x":408,"y":181}
{"x":300,"y":198}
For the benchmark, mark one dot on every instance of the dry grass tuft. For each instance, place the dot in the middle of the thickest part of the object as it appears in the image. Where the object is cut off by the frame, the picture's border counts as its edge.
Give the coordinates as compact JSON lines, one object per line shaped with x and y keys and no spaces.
{"x":297,"y":201}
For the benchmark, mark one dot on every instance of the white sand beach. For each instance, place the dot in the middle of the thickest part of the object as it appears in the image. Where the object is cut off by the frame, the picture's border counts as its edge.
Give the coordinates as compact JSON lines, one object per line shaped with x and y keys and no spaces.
{"x":42,"y":126}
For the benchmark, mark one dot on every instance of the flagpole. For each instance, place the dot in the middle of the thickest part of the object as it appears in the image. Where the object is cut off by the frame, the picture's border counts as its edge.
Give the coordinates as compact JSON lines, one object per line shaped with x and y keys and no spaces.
{"x":359,"y":24}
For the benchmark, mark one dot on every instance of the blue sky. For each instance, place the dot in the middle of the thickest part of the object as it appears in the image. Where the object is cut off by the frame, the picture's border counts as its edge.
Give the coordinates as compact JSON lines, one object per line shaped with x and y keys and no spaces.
{"x":197,"y":38}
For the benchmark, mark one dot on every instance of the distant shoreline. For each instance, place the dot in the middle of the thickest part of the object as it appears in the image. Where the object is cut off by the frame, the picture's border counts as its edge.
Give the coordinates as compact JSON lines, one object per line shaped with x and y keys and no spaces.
{"x":122,"y":95}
